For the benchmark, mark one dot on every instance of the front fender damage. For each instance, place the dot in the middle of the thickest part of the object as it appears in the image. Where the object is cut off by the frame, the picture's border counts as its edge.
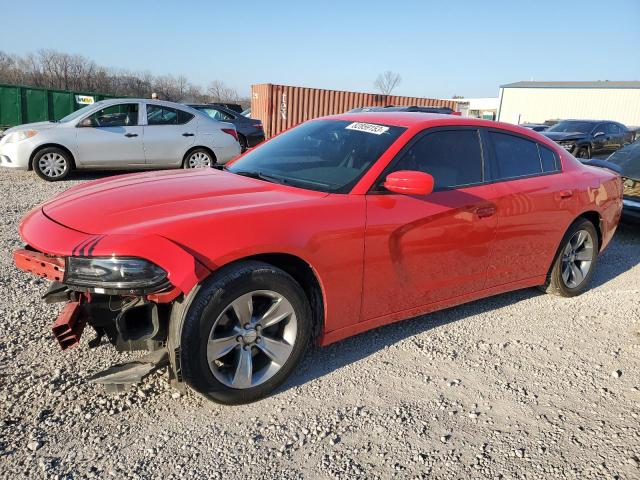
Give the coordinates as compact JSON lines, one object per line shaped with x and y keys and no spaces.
{"x":129,"y":321}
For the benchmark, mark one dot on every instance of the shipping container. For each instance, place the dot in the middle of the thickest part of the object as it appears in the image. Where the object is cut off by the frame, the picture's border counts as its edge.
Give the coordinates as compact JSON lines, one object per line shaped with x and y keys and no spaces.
{"x":22,"y":104}
{"x":281,"y":106}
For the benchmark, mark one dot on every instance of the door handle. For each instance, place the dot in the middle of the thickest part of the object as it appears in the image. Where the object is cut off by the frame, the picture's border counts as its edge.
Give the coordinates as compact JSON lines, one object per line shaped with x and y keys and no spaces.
{"x":486,"y":211}
{"x":565,"y":194}
{"x":188,"y":134}
{"x":130,"y":135}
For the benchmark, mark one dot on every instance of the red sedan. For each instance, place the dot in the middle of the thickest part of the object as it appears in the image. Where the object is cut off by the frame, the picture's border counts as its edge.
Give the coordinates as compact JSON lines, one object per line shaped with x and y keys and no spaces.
{"x":335,"y":227}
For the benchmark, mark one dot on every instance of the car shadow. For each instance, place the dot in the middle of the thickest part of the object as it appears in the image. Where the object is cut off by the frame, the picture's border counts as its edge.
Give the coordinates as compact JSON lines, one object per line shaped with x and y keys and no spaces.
{"x":615,"y":261}
{"x":322,"y":361}
{"x":87,"y":175}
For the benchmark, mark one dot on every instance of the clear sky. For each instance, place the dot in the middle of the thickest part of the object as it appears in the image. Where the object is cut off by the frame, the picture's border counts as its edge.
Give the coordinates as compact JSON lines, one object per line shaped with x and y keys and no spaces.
{"x":440,"y":48}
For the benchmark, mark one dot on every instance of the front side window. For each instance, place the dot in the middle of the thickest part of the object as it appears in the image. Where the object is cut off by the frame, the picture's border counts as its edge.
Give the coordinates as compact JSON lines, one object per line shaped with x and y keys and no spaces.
{"x":452,"y":157}
{"x":123,"y":115}
{"x":161,"y":115}
{"x":323,"y":155}
{"x":515,"y":156}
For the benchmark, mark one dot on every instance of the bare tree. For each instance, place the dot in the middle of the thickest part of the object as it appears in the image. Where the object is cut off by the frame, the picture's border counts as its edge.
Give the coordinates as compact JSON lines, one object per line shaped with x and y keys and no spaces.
{"x":219,"y":92}
{"x":53,"y":69}
{"x":387,"y":82}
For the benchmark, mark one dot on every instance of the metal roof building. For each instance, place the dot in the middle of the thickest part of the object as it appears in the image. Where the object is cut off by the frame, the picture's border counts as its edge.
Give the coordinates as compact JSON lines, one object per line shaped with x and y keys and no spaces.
{"x":536,"y":102}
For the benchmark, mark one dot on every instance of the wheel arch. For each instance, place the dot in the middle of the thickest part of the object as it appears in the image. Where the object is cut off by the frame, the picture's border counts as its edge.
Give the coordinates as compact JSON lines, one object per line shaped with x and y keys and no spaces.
{"x":196,"y":147}
{"x":51,"y":145}
{"x":307,"y":277}
{"x":595,"y":218}
{"x":301,"y":271}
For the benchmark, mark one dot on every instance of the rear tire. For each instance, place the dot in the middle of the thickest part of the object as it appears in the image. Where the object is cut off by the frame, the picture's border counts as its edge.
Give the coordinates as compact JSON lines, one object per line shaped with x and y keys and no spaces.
{"x":52,"y":164}
{"x":575,"y":260}
{"x":232,"y":354}
{"x":199,"y":158}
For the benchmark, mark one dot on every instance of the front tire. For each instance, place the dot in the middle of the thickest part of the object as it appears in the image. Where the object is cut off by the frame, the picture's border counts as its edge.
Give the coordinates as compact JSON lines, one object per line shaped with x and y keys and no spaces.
{"x":244,"y":333}
{"x":575,"y":260}
{"x":52,"y":164}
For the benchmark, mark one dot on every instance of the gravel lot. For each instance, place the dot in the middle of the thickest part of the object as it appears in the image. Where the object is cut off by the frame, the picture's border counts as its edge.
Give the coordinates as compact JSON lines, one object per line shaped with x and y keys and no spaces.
{"x":522,"y":385}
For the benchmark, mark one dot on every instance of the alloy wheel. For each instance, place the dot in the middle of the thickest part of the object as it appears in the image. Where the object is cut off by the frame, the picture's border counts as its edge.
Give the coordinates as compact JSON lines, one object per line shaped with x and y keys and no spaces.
{"x":252,"y":339}
{"x":577,"y":259}
{"x":53,"y":165}
{"x":199,"y":160}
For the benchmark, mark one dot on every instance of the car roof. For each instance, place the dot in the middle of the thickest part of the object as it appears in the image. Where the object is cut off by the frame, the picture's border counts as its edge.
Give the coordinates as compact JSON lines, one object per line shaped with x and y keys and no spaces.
{"x":212,"y":105}
{"x":112,"y":101}
{"x":410,"y":119}
{"x":587,"y":120}
{"x":421,"y":121}
{"x":401,"y":108}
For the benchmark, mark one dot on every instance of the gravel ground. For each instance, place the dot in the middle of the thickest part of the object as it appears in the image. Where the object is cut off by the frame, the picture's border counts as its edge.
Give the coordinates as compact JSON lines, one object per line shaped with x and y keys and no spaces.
{"x":522,"y":385}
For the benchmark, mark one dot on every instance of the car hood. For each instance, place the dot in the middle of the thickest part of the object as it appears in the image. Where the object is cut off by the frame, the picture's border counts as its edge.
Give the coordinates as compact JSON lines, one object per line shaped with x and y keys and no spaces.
{"x":560,"y":136}
{"x":34,"y":126}
{"x":151,"y":202}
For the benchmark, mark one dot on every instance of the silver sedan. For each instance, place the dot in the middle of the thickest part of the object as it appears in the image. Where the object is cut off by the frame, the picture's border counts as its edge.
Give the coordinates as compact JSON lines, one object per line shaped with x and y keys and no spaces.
{"x":120,"y":134}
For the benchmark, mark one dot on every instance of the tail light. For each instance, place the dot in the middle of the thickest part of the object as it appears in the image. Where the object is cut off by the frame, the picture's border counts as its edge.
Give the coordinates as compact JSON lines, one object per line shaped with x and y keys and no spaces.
{"x":257,"y":125}
{"x":232,"y":132}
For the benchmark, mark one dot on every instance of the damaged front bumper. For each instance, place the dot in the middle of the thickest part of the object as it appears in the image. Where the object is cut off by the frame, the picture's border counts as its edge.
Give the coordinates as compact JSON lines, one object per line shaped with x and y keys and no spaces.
{"x":129,"y":320}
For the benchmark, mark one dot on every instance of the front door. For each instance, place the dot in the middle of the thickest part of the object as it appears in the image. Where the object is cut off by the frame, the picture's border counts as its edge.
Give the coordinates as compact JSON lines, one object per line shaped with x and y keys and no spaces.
{"x":424,"y":249}
{"x":110,"y":137}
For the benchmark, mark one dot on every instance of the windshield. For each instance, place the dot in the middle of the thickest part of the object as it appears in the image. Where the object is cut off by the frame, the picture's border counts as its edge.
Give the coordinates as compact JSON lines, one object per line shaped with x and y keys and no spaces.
{"x":628,"y":159}
{"x":323,"y":155}
{"x":571,"y":126}
{"x":78,"y":113}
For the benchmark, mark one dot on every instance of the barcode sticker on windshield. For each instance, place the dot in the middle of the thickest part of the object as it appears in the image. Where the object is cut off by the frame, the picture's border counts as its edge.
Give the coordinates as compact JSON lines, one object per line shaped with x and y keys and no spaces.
{"x":367,"y":127}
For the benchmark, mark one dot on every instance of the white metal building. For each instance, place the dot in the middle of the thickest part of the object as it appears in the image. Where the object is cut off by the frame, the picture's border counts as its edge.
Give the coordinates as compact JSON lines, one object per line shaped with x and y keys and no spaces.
{"x":485,"y":108}
{"x":535,"y":102}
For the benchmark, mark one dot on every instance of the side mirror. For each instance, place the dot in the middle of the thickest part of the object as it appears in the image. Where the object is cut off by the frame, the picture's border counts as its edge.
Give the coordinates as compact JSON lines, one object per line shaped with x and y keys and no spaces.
{"x":409,"y":182}
{"x":87,"y":122}
{"x":598,"y":134}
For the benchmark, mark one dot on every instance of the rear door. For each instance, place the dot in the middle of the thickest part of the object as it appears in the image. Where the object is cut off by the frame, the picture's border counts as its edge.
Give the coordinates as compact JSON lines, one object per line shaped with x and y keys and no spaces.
{"x":534,"y":199}
{"x":168,"y":134}
{"x":111,"y":137}
{"x":424,"y":249}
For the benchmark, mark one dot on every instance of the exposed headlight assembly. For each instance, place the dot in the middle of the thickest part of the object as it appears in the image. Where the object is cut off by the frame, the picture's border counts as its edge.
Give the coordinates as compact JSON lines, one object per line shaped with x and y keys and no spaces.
{"x":20,"y":135}
{"x":134,"y":275}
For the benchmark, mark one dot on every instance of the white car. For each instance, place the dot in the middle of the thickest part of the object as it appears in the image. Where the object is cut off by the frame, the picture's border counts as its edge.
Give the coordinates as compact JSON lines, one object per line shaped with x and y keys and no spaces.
{"x":120,"y":134}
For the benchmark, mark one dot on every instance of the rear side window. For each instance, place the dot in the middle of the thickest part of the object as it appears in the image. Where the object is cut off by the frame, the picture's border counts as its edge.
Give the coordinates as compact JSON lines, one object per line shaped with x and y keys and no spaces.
{"x":548,"y":159}
{"x":184,"y":117}
{"x":612,"y":128}
{"x":515,"y":156}
{"x":160,"y":115}
{"x":452,"y":157}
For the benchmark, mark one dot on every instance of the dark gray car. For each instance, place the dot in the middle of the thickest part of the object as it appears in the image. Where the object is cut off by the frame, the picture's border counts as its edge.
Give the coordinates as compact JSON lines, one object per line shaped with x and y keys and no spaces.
{"x":585,"y":138}
{"x":250,"y":130}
